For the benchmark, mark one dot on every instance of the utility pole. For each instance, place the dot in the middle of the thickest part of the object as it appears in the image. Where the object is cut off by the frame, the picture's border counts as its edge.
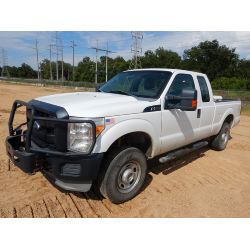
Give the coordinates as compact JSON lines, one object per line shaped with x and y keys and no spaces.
{"x":107,"y":52}
{"x":96,"y":58}
{"x":37,"y":60}
{"x":136,"y":49}
{"x":73,"y":47}
{"x":4,"y":64}
{"x":56,"y":56}
{"x":50,"y":58}
{"x":62,"y":58}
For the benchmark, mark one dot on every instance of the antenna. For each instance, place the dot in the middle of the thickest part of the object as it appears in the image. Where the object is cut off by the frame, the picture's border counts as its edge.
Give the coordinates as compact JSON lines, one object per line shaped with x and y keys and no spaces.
{"x":136,"y":49}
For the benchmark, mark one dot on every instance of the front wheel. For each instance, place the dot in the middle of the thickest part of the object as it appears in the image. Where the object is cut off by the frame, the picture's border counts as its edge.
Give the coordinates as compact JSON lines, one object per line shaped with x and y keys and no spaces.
{"x":124,"y":174}
{"x":219,"y":142}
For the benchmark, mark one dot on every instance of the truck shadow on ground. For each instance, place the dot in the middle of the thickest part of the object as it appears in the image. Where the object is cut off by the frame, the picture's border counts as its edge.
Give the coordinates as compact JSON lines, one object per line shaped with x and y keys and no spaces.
{"x":173,"y":165}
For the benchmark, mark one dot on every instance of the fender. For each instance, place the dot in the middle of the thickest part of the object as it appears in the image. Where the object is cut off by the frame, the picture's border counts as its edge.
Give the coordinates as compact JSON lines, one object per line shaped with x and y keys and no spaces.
{"x":217,"y":126}
{"x":105,"y":140}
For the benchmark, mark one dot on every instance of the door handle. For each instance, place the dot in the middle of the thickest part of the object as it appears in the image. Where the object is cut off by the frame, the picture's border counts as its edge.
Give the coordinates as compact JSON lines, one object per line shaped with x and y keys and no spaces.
{"x":198,"y":113}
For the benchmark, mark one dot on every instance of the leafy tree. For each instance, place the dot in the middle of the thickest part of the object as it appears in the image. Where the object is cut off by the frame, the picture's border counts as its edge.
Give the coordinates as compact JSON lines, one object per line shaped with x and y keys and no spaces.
{"x":243,"y":69}
{"x":161,"y":58}
{"x":211,"y":58}
{"x":85,"y":70}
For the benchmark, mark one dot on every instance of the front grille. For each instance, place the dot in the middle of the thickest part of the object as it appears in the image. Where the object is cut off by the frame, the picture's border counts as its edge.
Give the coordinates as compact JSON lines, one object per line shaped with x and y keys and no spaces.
{"x":48,"y":134}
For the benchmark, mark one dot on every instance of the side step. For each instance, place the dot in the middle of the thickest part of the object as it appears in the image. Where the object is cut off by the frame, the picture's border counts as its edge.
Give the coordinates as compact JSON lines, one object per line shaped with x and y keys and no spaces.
{"x":179,"y":152}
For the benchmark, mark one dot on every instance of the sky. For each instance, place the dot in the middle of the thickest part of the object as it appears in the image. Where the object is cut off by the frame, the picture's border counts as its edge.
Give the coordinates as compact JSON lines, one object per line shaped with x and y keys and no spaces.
{"x":19,"y":46}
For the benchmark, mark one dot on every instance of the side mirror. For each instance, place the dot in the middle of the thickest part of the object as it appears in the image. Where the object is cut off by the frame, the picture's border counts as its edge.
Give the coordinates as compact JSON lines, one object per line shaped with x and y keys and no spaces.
{"x":187,"y":101}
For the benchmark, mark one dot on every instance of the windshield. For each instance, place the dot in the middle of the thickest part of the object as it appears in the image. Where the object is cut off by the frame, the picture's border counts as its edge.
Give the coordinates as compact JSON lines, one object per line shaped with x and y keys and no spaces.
{"x":145,"y":83}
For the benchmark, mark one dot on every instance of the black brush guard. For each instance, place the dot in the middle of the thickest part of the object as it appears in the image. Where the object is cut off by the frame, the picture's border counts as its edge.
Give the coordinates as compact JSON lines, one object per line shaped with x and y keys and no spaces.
{"x":18,"y":143}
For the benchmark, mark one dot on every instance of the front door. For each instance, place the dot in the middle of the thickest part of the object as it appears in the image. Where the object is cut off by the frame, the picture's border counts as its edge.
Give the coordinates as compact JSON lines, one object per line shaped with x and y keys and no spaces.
{"x":179,"y":127}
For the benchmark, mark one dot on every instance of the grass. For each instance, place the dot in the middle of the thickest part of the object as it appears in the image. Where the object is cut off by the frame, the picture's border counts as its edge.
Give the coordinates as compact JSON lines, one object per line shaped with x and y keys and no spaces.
{"x":244,"y":95}
{"x":245,"y":110}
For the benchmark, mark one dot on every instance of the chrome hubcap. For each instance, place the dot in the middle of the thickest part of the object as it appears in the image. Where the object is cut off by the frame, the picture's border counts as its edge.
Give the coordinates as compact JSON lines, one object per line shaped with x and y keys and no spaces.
{"x":129,"y":176}
{"x":225,"y":136}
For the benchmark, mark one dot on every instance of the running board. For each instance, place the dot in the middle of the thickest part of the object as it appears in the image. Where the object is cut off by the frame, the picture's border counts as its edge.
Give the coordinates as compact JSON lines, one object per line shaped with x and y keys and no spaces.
{"x":179,"y":152}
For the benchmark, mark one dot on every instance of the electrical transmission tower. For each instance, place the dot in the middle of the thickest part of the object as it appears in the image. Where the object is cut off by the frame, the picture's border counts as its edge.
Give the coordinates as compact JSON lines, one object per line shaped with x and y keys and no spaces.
{"x":37,"y":60}
{"x":136,"y":49}
{"x":5,"y":71}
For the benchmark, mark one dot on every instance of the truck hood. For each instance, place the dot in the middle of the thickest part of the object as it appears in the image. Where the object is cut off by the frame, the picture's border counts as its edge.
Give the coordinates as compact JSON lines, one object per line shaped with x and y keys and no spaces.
{"x":97,"y":104}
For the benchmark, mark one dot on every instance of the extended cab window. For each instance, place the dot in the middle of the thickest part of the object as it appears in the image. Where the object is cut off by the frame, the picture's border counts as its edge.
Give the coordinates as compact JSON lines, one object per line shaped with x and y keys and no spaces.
{"x":204,"y":89}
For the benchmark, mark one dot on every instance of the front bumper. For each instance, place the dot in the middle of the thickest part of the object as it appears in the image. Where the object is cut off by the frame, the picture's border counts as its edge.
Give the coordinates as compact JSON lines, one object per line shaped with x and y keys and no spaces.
{"x":68,"y":170}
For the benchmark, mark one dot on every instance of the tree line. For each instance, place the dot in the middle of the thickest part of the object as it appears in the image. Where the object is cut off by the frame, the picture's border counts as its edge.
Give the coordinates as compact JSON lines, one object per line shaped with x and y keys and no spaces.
{"x":219,"y":62}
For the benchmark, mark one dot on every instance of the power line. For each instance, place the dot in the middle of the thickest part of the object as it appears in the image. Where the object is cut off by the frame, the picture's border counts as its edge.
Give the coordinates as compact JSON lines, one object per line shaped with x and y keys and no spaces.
{"x":136,"y":49}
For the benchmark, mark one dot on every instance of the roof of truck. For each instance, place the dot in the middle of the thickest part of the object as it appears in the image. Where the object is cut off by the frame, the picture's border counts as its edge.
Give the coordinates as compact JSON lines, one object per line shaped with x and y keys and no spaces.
{"x":165,"y":69}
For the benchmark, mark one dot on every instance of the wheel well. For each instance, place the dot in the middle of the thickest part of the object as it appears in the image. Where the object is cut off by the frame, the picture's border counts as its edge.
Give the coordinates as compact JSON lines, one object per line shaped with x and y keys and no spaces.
{"x":229,"y":119}
{"x":139,"y":140}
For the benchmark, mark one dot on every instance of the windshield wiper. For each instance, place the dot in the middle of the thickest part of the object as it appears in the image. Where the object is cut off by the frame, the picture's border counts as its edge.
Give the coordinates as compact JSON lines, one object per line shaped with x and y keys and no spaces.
{"x":119,"y":92}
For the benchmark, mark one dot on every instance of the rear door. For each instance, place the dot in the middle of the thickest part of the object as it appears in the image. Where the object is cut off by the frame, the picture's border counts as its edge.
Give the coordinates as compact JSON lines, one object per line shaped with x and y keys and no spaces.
{"x":206,"y":107}
{"x":179,"y":127}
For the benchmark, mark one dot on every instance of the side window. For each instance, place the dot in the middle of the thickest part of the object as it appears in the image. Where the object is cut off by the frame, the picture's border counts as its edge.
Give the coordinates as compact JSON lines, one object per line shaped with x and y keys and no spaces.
{"x":180,"y":82}
{"x":204,"y":89}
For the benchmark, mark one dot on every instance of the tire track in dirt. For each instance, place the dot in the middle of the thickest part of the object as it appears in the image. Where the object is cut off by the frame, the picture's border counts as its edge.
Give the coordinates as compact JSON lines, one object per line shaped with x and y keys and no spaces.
{"x":68,"y":206}
{"x":24,"y":212}
{"x":39,"y":209}
{"x":8,"y":213}
{"x":54,"y":208}
{"x":83,"y":206}
{"x":96,"y":204}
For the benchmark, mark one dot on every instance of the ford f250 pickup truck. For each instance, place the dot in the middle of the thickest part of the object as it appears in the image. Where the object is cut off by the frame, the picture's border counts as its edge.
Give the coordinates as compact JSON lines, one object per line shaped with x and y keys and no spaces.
{"x":105,"y":138}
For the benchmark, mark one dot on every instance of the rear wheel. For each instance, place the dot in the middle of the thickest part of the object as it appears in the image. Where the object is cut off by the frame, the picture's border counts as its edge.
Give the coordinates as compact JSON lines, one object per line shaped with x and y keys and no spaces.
{"x":124,"y":174}
{"x":219,"y":142}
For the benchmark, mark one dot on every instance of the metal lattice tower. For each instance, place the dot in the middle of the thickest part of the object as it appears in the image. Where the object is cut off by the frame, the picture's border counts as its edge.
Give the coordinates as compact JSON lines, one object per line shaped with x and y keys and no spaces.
{"x":136,"y":49}
{"x":5,"y":71}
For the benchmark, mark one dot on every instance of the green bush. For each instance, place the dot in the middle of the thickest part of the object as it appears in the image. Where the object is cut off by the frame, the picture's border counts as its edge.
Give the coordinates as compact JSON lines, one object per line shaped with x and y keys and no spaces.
{"x":235,"y":83}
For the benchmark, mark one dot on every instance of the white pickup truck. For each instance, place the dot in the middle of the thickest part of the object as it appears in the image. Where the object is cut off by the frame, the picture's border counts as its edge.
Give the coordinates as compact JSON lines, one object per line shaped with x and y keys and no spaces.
{"x":105,"y":137}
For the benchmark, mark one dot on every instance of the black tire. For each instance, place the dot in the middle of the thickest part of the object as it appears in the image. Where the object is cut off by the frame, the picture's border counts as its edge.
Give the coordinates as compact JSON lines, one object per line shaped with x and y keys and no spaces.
{"x":219,"y":142}
{"x":123,"y":175}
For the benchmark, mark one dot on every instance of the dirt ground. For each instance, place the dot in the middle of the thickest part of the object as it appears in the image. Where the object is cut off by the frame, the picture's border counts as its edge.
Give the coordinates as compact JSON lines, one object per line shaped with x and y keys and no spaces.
{"x":203,"y":184}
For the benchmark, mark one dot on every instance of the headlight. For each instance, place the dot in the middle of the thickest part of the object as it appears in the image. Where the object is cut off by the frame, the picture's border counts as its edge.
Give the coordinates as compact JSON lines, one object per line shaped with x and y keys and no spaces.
{"x":80,"y":135}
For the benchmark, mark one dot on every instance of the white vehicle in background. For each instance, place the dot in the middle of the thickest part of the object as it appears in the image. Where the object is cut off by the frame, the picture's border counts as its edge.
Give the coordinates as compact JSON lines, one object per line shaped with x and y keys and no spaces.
{"x":105,"y":137}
